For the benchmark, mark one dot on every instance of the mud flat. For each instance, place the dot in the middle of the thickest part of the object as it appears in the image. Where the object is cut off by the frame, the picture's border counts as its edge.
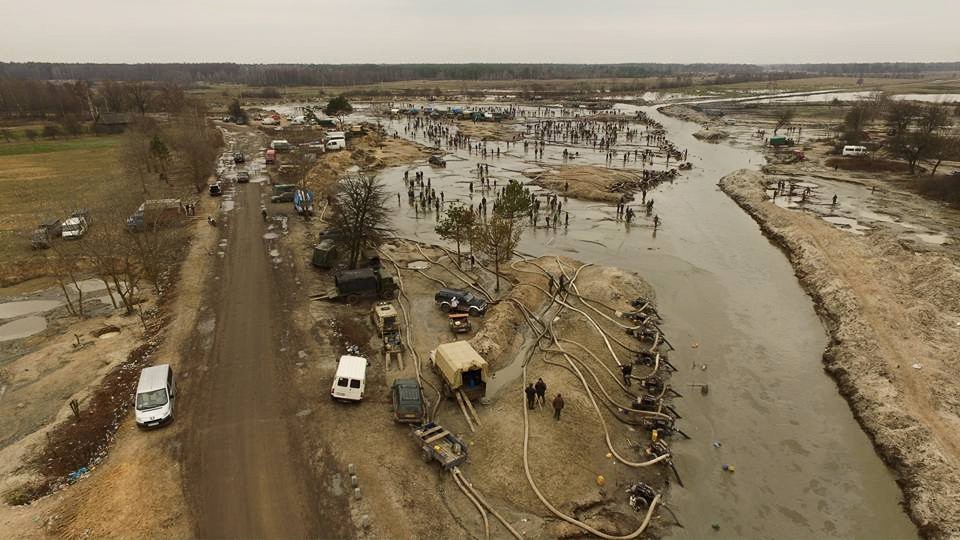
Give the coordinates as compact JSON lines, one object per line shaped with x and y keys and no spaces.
{"x":894,"y":320}
{"x":587,"y":182}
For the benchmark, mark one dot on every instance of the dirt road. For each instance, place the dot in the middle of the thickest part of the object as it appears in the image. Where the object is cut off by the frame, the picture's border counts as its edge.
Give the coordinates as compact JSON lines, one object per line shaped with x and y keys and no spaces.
{"x":244,"y":474}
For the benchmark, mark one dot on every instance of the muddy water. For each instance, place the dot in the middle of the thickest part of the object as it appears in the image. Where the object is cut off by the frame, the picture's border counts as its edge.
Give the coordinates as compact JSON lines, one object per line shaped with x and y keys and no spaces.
{"x":742,"y":324}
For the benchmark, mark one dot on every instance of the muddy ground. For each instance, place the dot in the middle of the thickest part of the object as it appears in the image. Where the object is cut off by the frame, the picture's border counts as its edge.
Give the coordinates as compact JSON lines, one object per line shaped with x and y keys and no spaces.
{"x":586,"y":182}
{"x":894,"y":319}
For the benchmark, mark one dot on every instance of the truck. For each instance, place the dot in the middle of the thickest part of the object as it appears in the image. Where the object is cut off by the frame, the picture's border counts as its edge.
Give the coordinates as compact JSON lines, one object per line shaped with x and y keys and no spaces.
{"x":46,"y":233}
{"x":280,"y":145}
{"x":461,"y":370}
{"x":352,"y":285}
{"x":156,"y":212}
{"x":385,"y":319}
{"x":324,"y":254}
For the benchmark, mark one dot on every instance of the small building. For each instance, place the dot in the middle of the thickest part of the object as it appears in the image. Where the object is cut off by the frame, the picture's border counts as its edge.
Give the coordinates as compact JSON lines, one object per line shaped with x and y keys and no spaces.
{"x":112,"y":122}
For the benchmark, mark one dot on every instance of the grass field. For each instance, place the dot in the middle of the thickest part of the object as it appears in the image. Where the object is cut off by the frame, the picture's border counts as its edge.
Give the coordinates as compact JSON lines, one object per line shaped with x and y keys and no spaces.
{"x":41,"y":180}
{"x":60,"y":144}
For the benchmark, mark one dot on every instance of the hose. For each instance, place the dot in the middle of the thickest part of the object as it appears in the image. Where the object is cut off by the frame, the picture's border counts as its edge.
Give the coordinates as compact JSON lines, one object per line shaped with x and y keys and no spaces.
{"x":504,"y":522}
{"x":483,"y":513}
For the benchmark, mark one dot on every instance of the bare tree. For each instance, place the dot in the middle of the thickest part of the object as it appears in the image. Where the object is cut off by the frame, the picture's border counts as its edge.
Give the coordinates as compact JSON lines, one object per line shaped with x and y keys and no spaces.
{"x":943,"y":147}
{"x":136,"y":155}
{"x":172,"y":98}
{"x":197,"y":144}
{"x":140,"y":95}
{"x":782,"y":117}
{"x":114,"y":96}
{"x":497,"y":239}
{"x":898,"y":115}
{"x":920,"y":140}
{"x":457,"y":225}
{"x":359,"y":219}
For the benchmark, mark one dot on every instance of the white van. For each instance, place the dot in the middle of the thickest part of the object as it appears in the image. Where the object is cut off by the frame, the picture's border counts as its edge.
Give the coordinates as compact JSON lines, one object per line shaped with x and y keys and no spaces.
{"x":854,"y":151}
{"x":350,"y":380}
{"x":336,"y":144}
{"x":155,"y":393}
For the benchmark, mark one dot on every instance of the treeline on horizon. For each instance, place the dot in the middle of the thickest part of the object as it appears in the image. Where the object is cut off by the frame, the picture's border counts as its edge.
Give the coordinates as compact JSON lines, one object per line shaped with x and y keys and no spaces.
{"x":355,"y":74}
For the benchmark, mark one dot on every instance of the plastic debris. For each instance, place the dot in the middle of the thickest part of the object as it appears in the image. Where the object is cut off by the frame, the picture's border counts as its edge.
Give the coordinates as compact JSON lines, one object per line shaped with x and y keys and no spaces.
{"x":717,"y":444}
{"x":917,"y":366}
{"x":729,"y":468}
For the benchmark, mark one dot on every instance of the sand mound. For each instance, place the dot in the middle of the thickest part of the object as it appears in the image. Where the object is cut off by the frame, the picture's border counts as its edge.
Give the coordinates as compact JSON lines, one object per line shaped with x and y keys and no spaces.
{"x":588,"y":182}
{"x":711,"y":135}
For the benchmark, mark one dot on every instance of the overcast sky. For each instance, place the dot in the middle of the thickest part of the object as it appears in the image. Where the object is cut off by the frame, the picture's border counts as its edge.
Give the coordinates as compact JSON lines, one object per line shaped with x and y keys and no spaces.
{"x":409,"y":31}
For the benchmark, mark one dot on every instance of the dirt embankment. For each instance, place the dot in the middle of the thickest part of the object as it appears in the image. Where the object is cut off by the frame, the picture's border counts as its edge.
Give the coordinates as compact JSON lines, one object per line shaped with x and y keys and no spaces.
{"x":689,"y":114}
{"x":711,"y":135}
{"x":370,"y":152}
{"x":894,"y":321}
{"x":586,"y":182}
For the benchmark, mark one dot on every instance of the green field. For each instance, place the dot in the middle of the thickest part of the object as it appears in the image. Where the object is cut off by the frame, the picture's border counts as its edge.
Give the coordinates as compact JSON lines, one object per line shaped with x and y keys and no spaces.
{"x":60,"y":144}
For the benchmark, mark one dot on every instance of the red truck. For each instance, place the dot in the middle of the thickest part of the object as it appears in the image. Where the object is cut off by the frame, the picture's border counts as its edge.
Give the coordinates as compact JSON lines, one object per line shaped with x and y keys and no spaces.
{"x":271,"y":156}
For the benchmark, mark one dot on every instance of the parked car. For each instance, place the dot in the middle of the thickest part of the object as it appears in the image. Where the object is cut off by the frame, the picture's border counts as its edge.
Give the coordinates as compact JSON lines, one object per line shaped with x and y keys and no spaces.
{"x":74,"y":227}
{"x":243,"y":177}
{"x":155,"y":392}
{"x":216,"y":190}
{"x":350,"y":379}
{"x":238,"y":157}
{"x":462,"y":301}
{"x":45,"y":233}
{"x":407,"y":401}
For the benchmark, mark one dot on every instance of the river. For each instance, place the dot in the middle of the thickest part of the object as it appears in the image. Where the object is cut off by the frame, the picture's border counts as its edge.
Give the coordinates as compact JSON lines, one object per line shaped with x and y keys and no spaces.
{"x":742,"y":324}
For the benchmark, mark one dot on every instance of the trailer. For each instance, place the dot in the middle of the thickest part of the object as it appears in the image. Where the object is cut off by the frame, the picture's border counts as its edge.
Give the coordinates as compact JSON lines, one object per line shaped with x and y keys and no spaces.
{"x":461,"y":369}
{"x":439,"y":444}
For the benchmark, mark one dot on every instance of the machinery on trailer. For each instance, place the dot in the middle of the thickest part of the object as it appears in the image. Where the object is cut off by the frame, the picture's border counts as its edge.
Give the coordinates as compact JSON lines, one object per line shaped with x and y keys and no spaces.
{"x":439,"y":444}
{"x":387,"y":323}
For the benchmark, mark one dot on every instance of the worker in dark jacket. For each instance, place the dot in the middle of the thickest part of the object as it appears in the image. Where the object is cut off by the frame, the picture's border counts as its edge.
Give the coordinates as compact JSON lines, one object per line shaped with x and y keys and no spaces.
{"x":531,"y":395}
{"x":627,"y":370}
{"x":541,"y":388}
{"x":557,"y":406}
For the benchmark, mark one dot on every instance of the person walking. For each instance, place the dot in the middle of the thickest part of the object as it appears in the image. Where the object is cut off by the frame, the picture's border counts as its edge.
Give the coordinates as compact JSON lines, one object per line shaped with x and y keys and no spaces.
{"x":541,"y":388}
{"x":627,"y":371}
{"x":531,"y":395}
{"x":557,"y":407}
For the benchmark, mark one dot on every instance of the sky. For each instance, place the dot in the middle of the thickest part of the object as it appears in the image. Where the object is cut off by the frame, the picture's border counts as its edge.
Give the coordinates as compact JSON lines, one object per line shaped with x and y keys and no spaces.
{"x":412,"y":31}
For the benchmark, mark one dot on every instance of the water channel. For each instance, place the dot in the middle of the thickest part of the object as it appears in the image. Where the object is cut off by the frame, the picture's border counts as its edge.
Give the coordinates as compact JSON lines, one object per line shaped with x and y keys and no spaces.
{"x":742,"y":324}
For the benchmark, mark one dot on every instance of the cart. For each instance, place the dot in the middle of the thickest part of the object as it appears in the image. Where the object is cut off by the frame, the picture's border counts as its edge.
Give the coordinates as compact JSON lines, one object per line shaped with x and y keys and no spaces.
{"x":439,"y":444}
{"x":459,"y":322}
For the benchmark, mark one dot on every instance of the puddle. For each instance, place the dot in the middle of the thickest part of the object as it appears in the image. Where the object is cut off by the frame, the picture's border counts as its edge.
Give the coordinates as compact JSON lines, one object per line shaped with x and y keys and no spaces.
{"x":108,"y":335}
{"x":931,"y":238}
{"x":274,"y":252}
{"x":226,"y":206}
{"x":847,"y":224}
{"x":10,"y":310}
{"x":271,"y":236}
{"x":22,"y":328}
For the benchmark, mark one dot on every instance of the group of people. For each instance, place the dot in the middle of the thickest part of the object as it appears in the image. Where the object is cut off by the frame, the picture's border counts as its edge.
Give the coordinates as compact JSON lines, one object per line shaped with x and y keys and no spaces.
{"x":537,"y":396}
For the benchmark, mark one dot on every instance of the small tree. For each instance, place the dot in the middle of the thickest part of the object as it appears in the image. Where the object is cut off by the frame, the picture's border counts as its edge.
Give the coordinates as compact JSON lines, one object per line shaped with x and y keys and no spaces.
{"x":50,"y":131}
{"x":497,"y":239}
{"x":782,"y":117}
{"x":71,"y":125}
{"x":31,"y":134}
{"x":359,"y":218}
{"x":899,"y":115}
{"x":457,"y":225}
{"x":236,"y":111}
{"x":8,"y":134}
{"x":338,"y":107}
{"x":515,"y":201}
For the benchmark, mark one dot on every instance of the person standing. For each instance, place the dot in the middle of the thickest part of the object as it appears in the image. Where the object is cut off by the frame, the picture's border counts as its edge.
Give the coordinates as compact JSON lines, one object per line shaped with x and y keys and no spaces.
{"x":557,"y":407}
{"x":627,"y":371}
{"x":531,"y":395}
{"x":541,"y":388}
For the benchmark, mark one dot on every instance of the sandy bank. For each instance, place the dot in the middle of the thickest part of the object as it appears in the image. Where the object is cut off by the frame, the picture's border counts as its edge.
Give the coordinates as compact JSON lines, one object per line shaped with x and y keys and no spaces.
{"x":894,"y":321}
{"x":586,"y":182}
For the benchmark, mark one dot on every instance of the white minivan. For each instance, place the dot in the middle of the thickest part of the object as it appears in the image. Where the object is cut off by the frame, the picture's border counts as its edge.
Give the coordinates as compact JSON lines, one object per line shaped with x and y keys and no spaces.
{"x":155,"y":393}
{"x":74,"y":227}
{"x":350,"y":380}
{"x":336,"y":144}
{"x":854,"y":151}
